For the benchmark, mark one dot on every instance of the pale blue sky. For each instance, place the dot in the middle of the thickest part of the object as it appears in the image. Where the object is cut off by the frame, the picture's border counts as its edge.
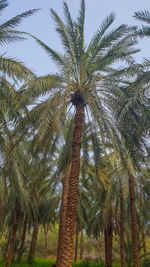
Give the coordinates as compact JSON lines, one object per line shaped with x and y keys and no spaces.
{"x":42,"y":26}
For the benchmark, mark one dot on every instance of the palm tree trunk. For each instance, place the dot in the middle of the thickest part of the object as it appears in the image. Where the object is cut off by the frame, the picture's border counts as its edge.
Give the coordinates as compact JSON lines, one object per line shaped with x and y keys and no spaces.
{"x":76,"y":243}
{"x":81,"y":245}
{"x":67,"y":251}
{"x":12,"y":239}
{"x":122,"y":230}
{"x":45,"y":242}
{"x":108,"y":232}
{"x":63,"y":212}
{"x":33,"y":242}
{"x":20,"y":251}
{"x":134,"y":230}
{"x":142,"y":222}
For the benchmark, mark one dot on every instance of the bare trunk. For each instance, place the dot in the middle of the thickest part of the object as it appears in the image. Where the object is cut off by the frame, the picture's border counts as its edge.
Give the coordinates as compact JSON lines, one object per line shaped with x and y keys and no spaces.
{"x":76,"y":243}
{"x":122,"y":230}
{"x":33,"y":242}
{"x":20,"y":251}
{"x":45,"y":242}
{"x":12,"y":239}
{"x":108,"y":232}
{"x":81,"y":245}
{"x":134,"y":230}
{"x":63,"y":212}
{"x":67,"y":252}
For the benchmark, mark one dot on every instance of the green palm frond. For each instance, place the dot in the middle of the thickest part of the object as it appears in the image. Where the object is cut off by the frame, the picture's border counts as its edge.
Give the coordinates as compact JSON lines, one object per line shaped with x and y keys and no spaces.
{"x":143,"y":32}
{"x":10,"y":36}
{"x":12,"y":23}
{"x":143,"y":15}
{"x":61,"y":60}
{"x":61,"y":29}
{"x":108,"y":41}
{"x":71,"y":29}
{"x":80,"y":24}
{"x":101,"y":31}
{"x":8,"y":33}
{"x":3,"y":4}
{"x":97,"y":150}
{"x":44,"y":85}
{"x":15,"y":69}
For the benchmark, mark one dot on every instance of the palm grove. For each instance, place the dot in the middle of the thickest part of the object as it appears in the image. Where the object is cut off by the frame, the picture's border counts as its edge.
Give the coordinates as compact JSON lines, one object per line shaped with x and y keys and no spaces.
{"x":76,"y":141}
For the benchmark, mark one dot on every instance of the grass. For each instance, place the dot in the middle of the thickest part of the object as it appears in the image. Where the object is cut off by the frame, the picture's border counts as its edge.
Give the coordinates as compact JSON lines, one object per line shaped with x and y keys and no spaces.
{"x":36,"y":263}
{"x":49,"y":263}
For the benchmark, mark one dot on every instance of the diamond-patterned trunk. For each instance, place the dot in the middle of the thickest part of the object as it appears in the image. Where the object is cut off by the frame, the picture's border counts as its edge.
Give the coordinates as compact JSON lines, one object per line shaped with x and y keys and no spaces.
{"x":67,"y":252}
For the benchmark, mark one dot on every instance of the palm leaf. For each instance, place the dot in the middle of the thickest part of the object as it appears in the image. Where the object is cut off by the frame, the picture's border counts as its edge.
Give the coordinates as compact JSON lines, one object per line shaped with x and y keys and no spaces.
{"x":61,"y":60}
{"x":101,"y":31}
{"x":15,"y":69}
{"x":3,"y":4}
{"x":143,"y":15}
{"x":12,"y":23}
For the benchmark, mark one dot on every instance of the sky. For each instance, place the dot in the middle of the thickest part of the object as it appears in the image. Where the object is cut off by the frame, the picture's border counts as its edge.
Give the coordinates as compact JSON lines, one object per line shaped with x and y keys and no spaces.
{"x":42,"y":26}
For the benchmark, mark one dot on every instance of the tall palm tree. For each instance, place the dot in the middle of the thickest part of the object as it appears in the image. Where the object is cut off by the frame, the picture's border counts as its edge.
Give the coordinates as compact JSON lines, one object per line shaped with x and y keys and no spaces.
{"x":84,"y":71}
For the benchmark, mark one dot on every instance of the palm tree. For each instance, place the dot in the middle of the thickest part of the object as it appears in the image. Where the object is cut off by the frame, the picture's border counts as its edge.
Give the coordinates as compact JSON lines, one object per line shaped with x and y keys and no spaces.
{"x":80,"y":85}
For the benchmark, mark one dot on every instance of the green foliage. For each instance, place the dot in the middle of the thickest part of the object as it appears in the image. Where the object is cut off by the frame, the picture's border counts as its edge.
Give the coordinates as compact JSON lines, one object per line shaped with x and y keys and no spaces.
{"x":49,"y":263}
{"x":88,"y":263}
{"x":36,"y":263}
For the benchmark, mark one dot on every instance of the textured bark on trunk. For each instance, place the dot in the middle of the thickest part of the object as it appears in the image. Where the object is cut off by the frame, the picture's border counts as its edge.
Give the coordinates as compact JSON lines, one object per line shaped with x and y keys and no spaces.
{"x":45,"y":242}
{"x":67,"y":251}
{"x":122,"y":230}
{"x":81,"y":245}
{"x":108,"y":233}
{"x":134,"y":230}
{"x":63,"y":211}
{"x":20,"y":251}
{"x":12,"y":239}
{"x":76,"y":243}
{"x":33,"y":242}
{"x":142,"y":231}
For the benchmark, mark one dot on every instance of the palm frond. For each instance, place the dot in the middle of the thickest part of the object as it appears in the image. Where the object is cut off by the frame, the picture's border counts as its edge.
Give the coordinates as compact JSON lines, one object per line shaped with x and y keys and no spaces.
{"x":71,"y":29}
{"x":12,"y":23}
{"x":144,"y":31}
{"x":3,"y":4}
{"x":61,"y":60}
{"x":61,"y":29}
{"x":101,"y":31}
{"x":80,"y":24}
{"x":14,"y":69}
{"x":143,"y":15}
{"x":43,"y":85}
